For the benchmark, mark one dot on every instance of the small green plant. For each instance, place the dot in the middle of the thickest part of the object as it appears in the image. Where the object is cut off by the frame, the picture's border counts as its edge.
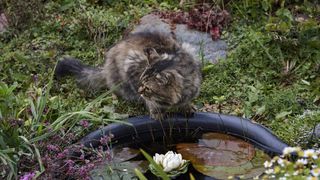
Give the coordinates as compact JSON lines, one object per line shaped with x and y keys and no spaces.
{"x":14,"y":135}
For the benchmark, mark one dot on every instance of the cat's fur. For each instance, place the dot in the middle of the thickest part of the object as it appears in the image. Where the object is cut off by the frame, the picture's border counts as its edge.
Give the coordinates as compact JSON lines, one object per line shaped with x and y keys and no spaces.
{"x":147,"y":67}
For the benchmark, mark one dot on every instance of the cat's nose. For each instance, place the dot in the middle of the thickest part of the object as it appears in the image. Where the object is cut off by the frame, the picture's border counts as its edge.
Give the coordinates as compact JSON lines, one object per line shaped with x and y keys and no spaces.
{"x":141,"y":89}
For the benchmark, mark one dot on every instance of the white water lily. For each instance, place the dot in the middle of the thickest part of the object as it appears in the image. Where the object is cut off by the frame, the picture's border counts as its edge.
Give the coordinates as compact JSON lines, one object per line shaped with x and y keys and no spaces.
{"x":158,"y":158}
{"x":170,"y":161}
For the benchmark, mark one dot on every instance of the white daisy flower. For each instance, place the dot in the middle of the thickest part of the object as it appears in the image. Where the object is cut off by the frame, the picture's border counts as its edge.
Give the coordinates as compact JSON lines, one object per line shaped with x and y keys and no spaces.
{"x":302,"y":161}
{"x":295,"y":173}
{"x":280,"y":162}
{"x":288,"y":150}
{"x":267,"y":164}
{"x":269,"y":171}
{"x":312,"y":178}
{"x":310,"y":153}
{"x":315,"y":172}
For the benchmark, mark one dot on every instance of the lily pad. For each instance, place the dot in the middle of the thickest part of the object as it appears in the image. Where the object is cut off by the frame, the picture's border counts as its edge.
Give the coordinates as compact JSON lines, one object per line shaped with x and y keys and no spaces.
{"x":124,"y":154}
{"x":220,"y":156}
{"x":115,"y":171}
{"x":120,"y":167}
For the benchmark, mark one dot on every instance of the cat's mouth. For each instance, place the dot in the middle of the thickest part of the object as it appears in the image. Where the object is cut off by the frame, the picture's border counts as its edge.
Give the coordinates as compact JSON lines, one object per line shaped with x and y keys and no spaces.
{"x":149,"y":95}
{"x":155,"y":101}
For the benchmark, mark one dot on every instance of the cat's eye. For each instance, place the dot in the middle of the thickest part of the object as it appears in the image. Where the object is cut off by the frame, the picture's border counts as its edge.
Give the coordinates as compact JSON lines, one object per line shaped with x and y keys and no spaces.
{"x":147,"y":89}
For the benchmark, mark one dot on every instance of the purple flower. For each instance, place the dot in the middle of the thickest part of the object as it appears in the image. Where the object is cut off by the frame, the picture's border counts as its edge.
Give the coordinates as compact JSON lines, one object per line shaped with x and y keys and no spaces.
{"x":35,"y":78}
{"x":71,"y":170}
{"x":84,"y":123}
{"x":81,"y":157}
{"x":104,"y":140}
{"x":83,"y":171}
{"x":63,"y":154}
{"x":51,"y":147}
{"x":69,"y":162}
{"x":28,"y":176}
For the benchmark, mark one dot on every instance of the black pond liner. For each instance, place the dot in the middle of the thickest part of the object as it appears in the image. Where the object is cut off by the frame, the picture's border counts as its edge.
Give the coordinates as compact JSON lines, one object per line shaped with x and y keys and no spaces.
{"x":146,"y":130}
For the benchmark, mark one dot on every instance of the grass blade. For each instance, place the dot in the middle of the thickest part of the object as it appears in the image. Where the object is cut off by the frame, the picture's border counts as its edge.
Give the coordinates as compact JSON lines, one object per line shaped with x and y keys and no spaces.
{"x":139,"y":174}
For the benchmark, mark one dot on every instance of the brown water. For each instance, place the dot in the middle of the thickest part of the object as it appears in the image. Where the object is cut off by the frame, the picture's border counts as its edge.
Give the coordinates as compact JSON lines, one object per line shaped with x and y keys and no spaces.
{"x":212,"y":155}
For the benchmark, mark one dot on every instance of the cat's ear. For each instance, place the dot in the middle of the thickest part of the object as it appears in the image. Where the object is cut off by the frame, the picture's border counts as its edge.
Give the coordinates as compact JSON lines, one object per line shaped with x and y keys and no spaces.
{"x":151,"y":54}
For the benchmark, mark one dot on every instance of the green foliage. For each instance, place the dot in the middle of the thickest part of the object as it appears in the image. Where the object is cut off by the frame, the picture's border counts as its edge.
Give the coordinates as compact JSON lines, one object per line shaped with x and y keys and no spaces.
{"x":271,"y":74}
{"x":22,"y":13}
{"x":299,"y":128}
{"x":14,"y":143}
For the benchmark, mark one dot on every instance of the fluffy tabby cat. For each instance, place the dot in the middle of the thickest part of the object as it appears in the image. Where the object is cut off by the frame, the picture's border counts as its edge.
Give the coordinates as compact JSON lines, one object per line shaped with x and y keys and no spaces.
{"x":146,"y":67}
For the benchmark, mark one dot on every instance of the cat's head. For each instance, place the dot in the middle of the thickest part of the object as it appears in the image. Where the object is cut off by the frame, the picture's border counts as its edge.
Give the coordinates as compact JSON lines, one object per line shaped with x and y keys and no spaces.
{"x":160,"y":83}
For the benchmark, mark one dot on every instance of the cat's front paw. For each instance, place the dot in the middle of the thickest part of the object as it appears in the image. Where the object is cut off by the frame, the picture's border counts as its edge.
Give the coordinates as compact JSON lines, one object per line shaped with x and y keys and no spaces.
{"x":189,"y":110}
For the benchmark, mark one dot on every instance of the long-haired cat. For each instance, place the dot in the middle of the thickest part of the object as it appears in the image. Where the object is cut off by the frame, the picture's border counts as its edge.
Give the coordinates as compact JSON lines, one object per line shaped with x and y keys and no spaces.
{"x":148,"y":67}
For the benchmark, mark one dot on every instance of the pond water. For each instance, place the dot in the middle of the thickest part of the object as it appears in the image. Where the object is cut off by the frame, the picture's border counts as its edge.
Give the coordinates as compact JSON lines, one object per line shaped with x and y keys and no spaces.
{"x":211,"y":155}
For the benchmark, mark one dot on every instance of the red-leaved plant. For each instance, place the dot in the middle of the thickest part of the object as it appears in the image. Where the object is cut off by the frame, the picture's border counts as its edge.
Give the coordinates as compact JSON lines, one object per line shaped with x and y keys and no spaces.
{"x":203,"y":17}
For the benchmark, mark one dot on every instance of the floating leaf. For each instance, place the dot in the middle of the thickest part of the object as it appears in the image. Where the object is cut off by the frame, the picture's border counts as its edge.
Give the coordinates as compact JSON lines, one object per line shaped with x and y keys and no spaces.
{"x":248,"y":170}
{"x":124,"y":154}
{"x":123,"y":170}
{"x":119,"y":167}
{"x":220,"y":156}
{"x":216,"y":149}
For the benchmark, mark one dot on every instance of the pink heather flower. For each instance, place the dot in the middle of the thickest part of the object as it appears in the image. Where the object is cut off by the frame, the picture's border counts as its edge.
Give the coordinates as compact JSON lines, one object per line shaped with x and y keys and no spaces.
{"x":71,"y":170}
{"x":51,"y":147}
{"x":91,"y":165}
{"x":105,"y":139}
{"x":84,"y":123}
{"x":69,"y":162}
{"x":83,"y":171}
{"x":28,"y":176}
{"x":63,"y":154}
{"x":81,"y":157}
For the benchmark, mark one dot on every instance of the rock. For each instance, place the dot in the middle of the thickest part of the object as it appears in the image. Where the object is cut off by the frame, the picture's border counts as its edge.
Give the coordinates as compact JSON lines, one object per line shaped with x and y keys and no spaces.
{"x":3,"y":22}
{"x":200,"y":41}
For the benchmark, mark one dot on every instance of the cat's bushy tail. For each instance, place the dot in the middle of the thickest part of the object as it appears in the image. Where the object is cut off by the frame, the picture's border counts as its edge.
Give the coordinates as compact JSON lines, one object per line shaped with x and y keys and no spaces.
{"x":88,"y":78}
